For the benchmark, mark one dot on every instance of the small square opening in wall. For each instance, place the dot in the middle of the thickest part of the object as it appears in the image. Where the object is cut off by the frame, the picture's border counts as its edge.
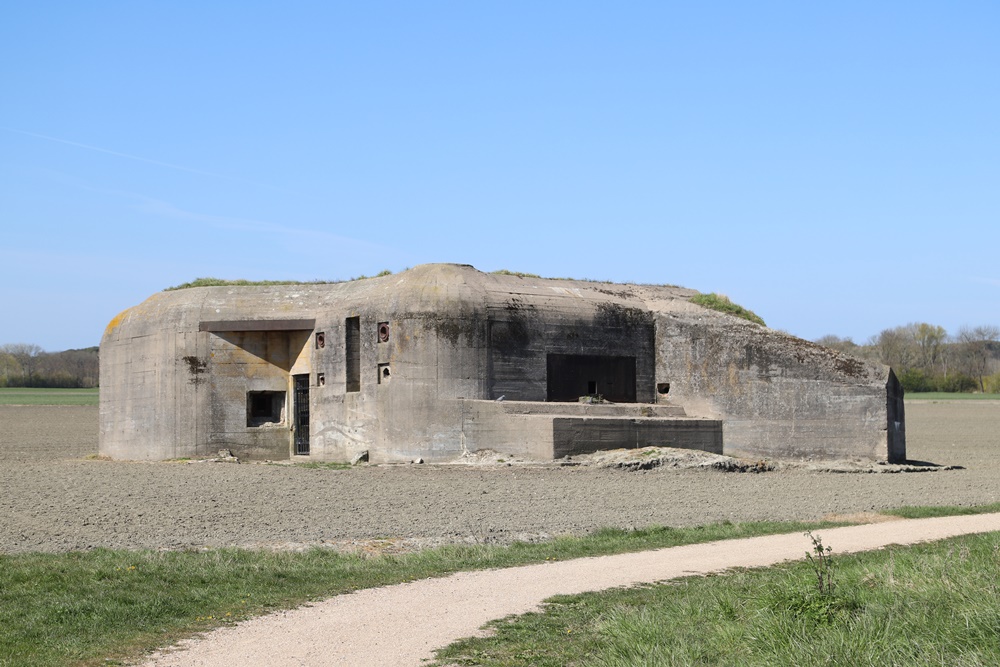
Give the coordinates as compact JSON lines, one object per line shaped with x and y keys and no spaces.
{"x":320,"y":379}
{"x":265,"y":407}
{"x":662,"y":388}
{"x":384,"y":374}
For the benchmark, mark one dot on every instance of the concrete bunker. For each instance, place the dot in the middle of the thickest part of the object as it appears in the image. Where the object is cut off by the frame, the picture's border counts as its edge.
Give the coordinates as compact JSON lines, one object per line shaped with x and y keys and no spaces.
{"x":442,"y":360}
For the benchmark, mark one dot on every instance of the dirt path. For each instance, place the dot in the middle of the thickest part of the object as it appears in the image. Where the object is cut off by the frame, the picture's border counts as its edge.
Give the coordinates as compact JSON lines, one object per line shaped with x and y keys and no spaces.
{"x":403,"y":624}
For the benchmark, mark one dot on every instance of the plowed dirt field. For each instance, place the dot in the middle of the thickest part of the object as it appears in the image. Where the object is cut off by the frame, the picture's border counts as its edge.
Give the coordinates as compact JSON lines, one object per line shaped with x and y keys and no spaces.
{"x":54,"y":498}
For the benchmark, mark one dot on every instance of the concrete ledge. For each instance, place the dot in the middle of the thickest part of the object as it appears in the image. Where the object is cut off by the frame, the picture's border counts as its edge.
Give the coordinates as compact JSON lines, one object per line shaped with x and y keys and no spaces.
{"x":589,"y":409}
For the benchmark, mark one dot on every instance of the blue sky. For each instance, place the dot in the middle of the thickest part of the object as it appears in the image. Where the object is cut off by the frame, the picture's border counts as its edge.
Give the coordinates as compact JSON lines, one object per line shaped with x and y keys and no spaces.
{"x":832,"y":166}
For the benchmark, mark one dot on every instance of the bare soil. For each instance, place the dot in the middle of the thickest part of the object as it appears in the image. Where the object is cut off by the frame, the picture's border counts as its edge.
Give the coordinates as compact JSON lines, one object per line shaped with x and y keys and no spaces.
{"x":55,"y":495}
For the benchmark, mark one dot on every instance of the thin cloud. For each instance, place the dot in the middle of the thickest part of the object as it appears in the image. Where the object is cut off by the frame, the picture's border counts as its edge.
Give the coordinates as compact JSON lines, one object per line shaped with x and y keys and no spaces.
{"x":138,"y":158}
{"x":312,"y":237}
{"x":987,"y":281}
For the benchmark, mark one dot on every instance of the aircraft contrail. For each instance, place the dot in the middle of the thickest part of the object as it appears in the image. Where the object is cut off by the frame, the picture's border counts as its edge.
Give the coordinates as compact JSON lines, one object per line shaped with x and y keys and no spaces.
{"x":115,"y":153}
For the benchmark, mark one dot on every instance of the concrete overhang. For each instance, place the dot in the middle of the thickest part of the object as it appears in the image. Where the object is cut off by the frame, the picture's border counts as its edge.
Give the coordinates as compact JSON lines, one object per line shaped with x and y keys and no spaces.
{"x":257,"y":325}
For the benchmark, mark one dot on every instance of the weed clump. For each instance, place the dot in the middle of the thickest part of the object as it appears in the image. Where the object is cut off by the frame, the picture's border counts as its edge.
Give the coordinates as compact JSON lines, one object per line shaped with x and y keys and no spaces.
{"x":721,"y":303}
{"x":221,"y":282}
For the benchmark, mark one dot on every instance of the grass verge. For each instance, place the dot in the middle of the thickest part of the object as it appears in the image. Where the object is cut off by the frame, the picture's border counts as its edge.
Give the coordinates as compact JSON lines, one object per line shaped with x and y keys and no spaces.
{"x":927,"y":512}
{"x":102,"y":606}
{"x":931,"y":604}
{"x":950,"y":396}
{"x":32,"y":396}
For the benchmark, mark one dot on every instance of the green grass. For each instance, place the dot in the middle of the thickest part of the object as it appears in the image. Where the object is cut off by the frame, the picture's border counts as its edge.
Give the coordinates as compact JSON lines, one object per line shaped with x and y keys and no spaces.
{"x":319,"y":465}
{"x":519,"y":274}
{"x":950,"y":396}
{"x":933,"y":604}
{"x":221,"y":282}
{"x":926,"y":512}
{"x":85,"y":607}
{"x":722,"y":304}
{"x":25,"y":396}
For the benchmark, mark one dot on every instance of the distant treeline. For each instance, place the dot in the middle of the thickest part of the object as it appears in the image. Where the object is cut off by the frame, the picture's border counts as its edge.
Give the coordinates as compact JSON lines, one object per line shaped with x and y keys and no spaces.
{"x":26,"y":365}
{"x":926,"y":358}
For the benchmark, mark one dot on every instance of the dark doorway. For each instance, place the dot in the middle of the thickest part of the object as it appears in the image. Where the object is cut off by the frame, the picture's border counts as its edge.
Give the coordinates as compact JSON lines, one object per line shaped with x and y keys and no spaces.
{"x":301,"y":407}
{"x":570,"y":376}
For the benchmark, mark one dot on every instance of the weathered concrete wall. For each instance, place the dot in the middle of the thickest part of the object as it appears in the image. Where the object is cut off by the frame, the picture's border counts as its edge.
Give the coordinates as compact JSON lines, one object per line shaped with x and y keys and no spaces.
{"x":554,"y":430}
{"x":151,"y":392}
{"x":408,"y":366}
{"x":522,"y":334}
{"x":247,"y":362}
{"x":574,"y":435}
{"x":164,"y":393}
{"x":777,"y":395}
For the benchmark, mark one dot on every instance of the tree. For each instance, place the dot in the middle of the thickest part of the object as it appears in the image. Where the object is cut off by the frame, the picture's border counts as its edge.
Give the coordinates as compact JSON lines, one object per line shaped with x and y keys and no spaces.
{"x":8,"y":368}
{"x":840,"y":344}
{"x":26,"y":355}
{"x":896,"y":347}
{"x":979,"y":347}
{"x":930,"y":343}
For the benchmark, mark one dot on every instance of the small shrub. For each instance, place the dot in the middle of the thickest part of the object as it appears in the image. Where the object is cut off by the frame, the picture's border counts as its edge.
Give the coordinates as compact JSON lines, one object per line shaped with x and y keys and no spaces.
{"x":822,"y":564}
{"x":722,"y":304}
{"x":519,"y":274}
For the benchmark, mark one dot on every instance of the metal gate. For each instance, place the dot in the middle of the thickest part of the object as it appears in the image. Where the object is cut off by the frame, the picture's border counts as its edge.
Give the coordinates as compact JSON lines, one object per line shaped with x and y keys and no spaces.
{"x":301,"y":406}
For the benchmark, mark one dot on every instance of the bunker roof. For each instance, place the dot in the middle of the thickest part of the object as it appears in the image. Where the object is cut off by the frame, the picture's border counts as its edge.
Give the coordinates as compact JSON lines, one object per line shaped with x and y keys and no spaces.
{"x":459,"y":290}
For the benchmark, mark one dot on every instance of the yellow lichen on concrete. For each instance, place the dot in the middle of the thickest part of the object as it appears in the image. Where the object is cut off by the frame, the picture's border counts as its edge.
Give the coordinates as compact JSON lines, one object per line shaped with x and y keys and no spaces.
{"x":116,"y":321}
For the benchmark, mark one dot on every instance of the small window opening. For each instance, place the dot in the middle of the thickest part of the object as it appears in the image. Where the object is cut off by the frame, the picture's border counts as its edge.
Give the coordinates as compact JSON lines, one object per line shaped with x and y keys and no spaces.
{"x":662,"y":388}
{"x":320,"y":379}
{"x":383,"y":332}
{"x":383,"y":373}
{"x":265,"y":407}
{"x":352,"y":353}
{"x":320,"y":340}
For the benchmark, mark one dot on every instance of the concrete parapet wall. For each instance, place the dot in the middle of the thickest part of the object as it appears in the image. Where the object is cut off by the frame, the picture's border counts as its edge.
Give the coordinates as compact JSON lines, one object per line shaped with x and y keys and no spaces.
{"x":779,"y":396}
{"x":545,"y":431}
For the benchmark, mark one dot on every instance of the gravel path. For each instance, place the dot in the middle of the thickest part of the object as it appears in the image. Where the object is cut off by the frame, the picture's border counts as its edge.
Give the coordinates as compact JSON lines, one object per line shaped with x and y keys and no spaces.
{"x":401,"y":625}
{"x":52,"y":498}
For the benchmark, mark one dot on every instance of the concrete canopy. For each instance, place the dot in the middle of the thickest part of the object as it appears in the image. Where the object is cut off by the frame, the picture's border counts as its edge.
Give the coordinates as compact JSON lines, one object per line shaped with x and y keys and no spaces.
{"x":441,"y":360}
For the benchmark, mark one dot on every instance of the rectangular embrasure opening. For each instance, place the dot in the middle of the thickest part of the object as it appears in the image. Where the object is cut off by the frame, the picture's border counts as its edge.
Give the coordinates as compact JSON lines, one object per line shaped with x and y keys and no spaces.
{"x":352,"y":351}
{"x":570,"y":376}
{"x":265,"y":407}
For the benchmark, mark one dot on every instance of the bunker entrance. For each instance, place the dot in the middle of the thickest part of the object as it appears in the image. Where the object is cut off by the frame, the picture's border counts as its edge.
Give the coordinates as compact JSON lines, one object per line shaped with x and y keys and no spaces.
{"x":570,"y":376}
{"x":300,"y":384}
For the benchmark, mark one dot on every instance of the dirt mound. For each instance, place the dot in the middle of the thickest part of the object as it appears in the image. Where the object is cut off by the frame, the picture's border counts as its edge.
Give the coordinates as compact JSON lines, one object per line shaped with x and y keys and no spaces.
{"x":650,"y":458}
